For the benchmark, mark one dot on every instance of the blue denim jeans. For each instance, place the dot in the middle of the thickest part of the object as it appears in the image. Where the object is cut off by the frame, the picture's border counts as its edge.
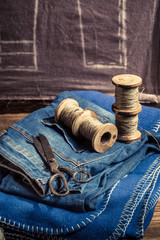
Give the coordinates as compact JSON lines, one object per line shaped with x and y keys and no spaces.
{"x":121,"y":212}
{"x":19,"y":155}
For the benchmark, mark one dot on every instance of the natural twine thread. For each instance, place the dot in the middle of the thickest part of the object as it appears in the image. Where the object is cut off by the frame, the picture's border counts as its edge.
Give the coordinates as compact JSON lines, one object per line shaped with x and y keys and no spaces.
{"x":126,"y":98}
{"x":68,"y":114}
{"x":127,"y":125}
{"x":89,"y":126}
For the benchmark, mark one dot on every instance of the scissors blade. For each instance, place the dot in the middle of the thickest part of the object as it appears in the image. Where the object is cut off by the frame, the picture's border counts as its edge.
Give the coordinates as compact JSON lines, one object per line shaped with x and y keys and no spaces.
{"x":39,"y":148}
{"x":48,"y":152}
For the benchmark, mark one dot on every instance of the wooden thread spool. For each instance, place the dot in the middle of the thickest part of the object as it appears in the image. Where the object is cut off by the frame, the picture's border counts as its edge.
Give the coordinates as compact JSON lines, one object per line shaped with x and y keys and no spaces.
{"x":67,"y":111}
{"x":102,"y":136}
{"x":127,"y":128}
{"x":124,"y":98}
{"x":85,"y":123}
{"x":127,"y":107}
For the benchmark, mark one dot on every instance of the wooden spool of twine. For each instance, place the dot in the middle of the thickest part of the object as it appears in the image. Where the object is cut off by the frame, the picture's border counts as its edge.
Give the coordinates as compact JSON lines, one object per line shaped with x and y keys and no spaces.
{"x":84,"y":123}
{"x":67,"y":111}
{"x":127,"y":106}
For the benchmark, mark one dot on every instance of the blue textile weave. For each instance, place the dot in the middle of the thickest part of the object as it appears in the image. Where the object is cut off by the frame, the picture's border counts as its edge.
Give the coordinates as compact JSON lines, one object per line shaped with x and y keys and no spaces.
{"x":123,"y":212}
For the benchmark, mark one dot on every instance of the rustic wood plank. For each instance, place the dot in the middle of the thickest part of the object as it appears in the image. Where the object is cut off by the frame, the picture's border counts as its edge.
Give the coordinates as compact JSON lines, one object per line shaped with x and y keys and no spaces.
{"x":153,"y":230}
{"x":7,"y":120}
{"x":22,"y":106}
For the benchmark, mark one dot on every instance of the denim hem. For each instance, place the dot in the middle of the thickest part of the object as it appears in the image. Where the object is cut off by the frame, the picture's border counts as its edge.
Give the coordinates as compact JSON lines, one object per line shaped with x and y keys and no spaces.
{"x":35,"y":183}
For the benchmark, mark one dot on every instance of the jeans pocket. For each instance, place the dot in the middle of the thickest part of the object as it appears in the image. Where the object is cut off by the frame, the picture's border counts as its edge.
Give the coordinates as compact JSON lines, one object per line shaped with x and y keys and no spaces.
{"x":78,"y":145}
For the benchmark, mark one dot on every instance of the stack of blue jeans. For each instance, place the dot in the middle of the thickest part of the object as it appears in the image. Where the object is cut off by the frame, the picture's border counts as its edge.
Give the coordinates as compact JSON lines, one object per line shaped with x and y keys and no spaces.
{"x":117,"y":203}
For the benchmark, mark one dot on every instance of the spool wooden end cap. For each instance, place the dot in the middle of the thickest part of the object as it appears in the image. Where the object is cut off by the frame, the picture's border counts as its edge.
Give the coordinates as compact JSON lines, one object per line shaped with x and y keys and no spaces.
{"x":104,"y":137}
{"x":127,"y":112}
{"x":62,"y":105}
{"x":127,"y":80}
{"x":130,"y":139}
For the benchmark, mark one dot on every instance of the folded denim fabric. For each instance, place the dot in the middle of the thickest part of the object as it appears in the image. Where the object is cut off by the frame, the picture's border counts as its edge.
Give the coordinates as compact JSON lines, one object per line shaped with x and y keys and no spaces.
{"x":124,"y":210}
{"x":19,"y":155}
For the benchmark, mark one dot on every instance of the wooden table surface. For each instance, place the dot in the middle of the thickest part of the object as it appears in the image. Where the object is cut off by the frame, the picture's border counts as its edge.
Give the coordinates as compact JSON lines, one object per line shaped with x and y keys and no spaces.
{"x":152,"y":232}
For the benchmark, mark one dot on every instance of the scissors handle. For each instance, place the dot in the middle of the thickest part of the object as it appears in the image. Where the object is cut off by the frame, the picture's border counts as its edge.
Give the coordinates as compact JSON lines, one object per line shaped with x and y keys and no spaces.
{"x":58,"y":176}
{"x":77,"y":175}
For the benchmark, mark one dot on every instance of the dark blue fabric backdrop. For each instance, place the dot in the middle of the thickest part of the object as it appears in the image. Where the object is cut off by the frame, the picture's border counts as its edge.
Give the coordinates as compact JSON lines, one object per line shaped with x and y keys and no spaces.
{"x":54,"y":45}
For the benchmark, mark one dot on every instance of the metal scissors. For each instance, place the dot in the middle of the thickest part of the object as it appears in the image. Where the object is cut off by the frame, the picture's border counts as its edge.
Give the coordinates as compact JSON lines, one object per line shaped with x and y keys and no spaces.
{"x":44,"y":149}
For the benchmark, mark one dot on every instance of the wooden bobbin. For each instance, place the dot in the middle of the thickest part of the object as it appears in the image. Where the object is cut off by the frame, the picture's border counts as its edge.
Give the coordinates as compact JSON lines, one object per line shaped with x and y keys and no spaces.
{"x":105,"y":137}
{"x":123,"y":136}
{"x":102,"y":136}
{"x":127,"y":82}
{"x":62,"y":105}
{"x":67,"y":111}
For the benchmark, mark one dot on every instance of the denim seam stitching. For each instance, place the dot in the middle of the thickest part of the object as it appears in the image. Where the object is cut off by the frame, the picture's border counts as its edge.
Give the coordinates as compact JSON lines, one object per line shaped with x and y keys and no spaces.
{"x":132,"y":203}
{"x":62,"y":156}
{"x":74,"y":161}
{"x":24,"y":150}
{"x":60,"y":230}
{"x":84,"y":162}
{"x":156,"y":126}
{"x":21,"y":131}
{"x":13,"y":163}
{"x":98,"y":158}
{"x":43,"y":181}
